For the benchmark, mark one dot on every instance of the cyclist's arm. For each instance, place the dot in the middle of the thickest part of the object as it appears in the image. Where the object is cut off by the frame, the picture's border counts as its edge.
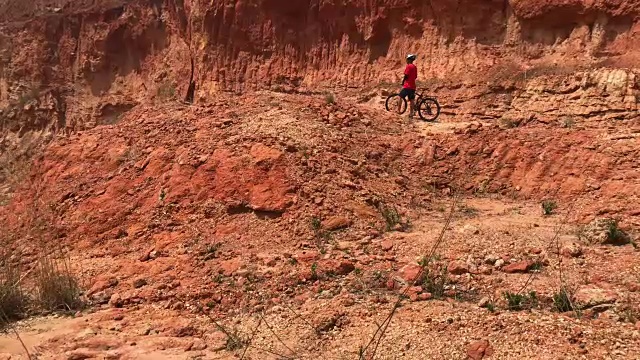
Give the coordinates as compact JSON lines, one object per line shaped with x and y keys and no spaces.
{"x":404,"y":78}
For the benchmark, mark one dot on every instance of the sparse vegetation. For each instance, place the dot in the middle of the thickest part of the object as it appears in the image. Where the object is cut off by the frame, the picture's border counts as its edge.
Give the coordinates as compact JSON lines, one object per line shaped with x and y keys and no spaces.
{"x":491,"y":307}
{"x":537,"y":266}
{"x":316,"y":225}
{"x":13,"y":301}
{"x":321,"y":236}
{"x":391,"y":216}
{"x":314,"y":271}
{"x":507,"y":123}
{"x":568,"y":122}
{"x":614,"y":233}
{"x":562,"y":300}
{"x":166,"y":91}
{"x":329,"y":98}
{"x":235,"y":340}
{"x":210,"y":251}
{"x":468,"y":211}
{"x":627,"y":313}
{"x":517,"y":301}
{"x":58,"y":288}
{"x":435,"y":281}
{"x":548,"y":207}
{"x":435,"y":277}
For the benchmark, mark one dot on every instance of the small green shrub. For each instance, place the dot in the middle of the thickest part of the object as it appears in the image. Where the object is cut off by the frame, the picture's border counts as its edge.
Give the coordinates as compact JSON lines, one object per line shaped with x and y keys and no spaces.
{"x":562,"y":300}
{"x":491,"y":307}
{"x":519,"y":302}
{"x":537,"y":266}
{"x":316,"y":224}
{"x":435,"y":280}
{"x":614,"y":233}
{"x":391,"y":216}
{"x":548,"y":207}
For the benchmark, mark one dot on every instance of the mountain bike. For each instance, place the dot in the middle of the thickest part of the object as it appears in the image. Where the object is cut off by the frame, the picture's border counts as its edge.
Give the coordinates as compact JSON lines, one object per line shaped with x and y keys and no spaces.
{"x":427,"y":106}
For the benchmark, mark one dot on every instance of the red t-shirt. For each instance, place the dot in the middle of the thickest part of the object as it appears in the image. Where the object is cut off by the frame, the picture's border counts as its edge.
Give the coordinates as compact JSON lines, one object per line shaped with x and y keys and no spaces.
{"x":412,"y":74}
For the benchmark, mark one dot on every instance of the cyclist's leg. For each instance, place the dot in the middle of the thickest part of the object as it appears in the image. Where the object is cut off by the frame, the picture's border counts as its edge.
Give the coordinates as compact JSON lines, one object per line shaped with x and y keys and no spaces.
{"x":412,"y":102}
{"x":401,"y":98}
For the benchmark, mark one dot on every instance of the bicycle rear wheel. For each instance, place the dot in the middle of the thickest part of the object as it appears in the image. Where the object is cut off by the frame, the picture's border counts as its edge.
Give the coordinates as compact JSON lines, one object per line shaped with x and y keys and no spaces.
{"x":428,"y":109}
{"x":396,"y":104}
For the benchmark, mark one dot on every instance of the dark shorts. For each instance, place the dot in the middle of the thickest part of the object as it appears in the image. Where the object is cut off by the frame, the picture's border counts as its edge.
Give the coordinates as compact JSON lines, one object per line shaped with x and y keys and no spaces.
{"x":410,"y":93}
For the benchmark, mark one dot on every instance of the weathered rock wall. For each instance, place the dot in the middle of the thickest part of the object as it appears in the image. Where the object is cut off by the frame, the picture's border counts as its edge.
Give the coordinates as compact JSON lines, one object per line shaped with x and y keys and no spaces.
{"x":72,"y":65}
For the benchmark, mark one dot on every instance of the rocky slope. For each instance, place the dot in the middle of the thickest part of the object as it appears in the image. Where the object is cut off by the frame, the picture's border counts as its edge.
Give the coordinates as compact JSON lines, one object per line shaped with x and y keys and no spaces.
{"x":186,"y":158}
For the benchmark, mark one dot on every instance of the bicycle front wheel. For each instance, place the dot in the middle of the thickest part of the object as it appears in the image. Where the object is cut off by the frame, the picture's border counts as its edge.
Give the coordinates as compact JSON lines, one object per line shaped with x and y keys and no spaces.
{"x":396,"y":104}
{"x":429,"y":109}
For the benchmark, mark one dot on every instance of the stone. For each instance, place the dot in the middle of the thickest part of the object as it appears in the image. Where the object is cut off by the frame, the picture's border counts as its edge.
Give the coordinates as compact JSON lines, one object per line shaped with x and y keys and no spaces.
{"x":571,"y":249}
{"x":229,"y":267}
{"x":344,"y":245}
{"x":499,"y":263}
{"x":588,"y":296}
{"x":386,"y":245}
{"x":535,"y":250}
{"x":198,"y":345}
{"x":604,"y":231}
{"x":184,"y":331}
{"x":138,"y":283}
{"x":469,"y":229}
{"x":479,"y":350}
{"x":81,"y":354}
{"x":484,"y":302}
{"x":518,"y":267}
{"x":491,"y":259}
{"x":343,"y":267}
{"x":195,"y":345}
{"x":457,"y":267}
{"x":146,"y":256}
{"x":336,"y":223}
{"x":307,"y":256}
{"x":413,"y":292}
{"x":273,"y":196}
{"x":485,"y":270}
{"x":102,"y":285}
{"x":409,"y":273}
{"x":264,"y":155}
{"x":116,"y":300}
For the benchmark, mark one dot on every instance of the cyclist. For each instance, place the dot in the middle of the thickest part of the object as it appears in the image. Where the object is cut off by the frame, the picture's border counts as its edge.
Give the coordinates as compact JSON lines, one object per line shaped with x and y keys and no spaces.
{"x":409,"y":85}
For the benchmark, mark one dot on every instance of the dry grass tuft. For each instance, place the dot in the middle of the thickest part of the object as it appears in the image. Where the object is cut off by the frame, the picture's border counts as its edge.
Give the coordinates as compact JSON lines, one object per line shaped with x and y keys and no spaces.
{"x":13,"y":301}
{"x":57,"y":288}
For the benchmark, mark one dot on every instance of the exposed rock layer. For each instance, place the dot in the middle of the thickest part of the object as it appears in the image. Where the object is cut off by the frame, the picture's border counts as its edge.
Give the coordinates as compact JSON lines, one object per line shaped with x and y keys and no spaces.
{"x":76,"y":64}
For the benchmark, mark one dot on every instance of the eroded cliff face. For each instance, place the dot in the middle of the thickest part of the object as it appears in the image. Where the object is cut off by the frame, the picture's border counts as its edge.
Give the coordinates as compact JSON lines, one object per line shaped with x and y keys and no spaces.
{"x":75,"y":64}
